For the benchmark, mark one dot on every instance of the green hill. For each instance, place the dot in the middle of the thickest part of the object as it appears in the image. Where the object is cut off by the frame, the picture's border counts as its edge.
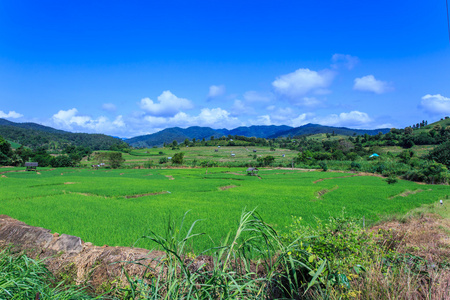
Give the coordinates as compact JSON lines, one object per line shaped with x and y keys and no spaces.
{"x":310,"y":129}
{"x":34,"y":135}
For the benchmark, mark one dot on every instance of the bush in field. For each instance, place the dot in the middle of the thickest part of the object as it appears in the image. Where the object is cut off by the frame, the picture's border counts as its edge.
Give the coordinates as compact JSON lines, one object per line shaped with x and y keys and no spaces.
{"x":62,"y":161}
{"x":163,"y":160}
{"x":441,"y":154}
{"x":355,"y":166}
{"x":178,"y":158}
{"x":323,"y":166}
{"x":115,"y":159}
{"x":391,"y":179}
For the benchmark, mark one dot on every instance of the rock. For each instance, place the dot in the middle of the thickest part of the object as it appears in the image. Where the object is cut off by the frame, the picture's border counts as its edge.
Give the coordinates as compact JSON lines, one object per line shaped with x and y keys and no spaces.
{"x":67,"y":243}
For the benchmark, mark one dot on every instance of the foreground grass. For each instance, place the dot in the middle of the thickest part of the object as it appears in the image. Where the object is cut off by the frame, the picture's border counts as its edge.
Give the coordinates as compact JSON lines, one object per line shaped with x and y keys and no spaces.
{"x":24,"y":278}
{"x":95,"y":204}
{"x":336,"y":260}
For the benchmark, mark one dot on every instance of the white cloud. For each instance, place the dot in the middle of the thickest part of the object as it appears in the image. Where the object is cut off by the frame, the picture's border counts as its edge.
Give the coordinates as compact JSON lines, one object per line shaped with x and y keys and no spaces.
{"x":308,"y":102}
{"x":216,"y":91}
{"x":168,"y":105}
{"x":303,"y":81}
{"x":253,"y":96}
{"x":240,"y":108}
{"x":344,"y":60}
{"x":10,"y":115}
{"x":351,"y":119}
{"x":109,"y":107}
{"x":286,"y":116}
{"x":370,"y":84}
{"x":435,"y":104}
{"x":71,"y":120}
{"x":209,"y":117}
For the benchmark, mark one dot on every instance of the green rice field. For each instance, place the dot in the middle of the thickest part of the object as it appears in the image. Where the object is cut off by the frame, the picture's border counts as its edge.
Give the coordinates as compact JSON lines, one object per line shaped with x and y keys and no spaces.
{"x":116,"y":207}
{"x":223,"y":155}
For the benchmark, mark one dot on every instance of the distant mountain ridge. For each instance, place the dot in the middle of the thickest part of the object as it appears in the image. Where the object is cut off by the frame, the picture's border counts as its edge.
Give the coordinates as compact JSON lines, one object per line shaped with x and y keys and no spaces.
{"x":310,"y":129}
{"x":168,"y":135}
{"x":34,"y":135}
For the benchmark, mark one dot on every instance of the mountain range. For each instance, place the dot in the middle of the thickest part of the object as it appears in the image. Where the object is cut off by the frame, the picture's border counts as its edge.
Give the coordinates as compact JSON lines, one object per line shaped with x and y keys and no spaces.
{"x":168,"y":135}
{"x":32,"y":134}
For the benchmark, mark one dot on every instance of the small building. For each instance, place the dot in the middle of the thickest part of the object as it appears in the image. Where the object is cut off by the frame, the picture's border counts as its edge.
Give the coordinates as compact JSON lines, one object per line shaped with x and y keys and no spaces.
{"x":283,"y":155}
{"x":252,"y":171}
{"x":232,"y":154}
{"x":170,"y":157}
{"x":31,"y":166}
{"x":254,"y":150}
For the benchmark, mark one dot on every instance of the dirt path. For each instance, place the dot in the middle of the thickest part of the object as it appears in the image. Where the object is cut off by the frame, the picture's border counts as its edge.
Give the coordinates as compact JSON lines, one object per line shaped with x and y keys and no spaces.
{"x":223,"y":188}
{"x":148,"y":194}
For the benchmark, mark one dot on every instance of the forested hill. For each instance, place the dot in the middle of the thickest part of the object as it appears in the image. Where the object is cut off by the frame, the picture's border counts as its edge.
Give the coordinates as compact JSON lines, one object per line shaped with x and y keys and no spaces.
{"x":178,"y":134}
{"x":32,"y":126}
{"x":34,"y":136}
{"x":310,"y":129}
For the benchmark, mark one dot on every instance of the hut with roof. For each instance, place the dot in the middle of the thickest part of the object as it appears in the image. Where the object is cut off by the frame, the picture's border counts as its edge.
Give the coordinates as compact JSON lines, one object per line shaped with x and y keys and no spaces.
{"x":252,"y":171}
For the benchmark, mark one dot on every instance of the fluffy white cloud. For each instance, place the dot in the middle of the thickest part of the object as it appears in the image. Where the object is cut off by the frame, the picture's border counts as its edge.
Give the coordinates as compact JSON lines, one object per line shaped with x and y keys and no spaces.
{"x":303,"y":81}
{"x":344,"y":60}
{"x":240,"y":108}
{"x":253,"y":96}
{"x":71,"y":120}
{"x":370,"y":84}
{"x":210,"y":117}
{"x":435,"y":104}
{"x":168,"y":105}
{"x":109,"y":107}
{"x":308,"y":102}
{"x":10,"y":115}
{"x":351,"y":119}
{"x":216,"y":91}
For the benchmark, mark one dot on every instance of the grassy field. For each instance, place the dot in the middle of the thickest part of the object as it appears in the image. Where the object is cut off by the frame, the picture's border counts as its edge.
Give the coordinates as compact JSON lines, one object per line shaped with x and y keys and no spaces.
{"x":199,"y":154}
{"x":116,"y":207}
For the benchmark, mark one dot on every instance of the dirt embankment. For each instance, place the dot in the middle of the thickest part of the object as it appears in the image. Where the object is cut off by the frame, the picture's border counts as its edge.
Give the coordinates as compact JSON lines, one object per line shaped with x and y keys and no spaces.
{"x":70,"y":257}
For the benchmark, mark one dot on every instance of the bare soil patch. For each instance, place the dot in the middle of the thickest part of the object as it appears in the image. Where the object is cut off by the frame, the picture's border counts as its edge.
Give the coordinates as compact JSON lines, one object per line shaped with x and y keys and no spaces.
{"x":12,"y":171}
{"x":322,"y":179}
{"x":148,"y":194}
{"x":70,"y":182}
{"x":3,"y":176}
{"x":320,"y":193}
{"x":407,"y":193}
{"x":234,"y":173}
{"x":223,"y":188}
{"x":170,"y":177}
{"x":426,"y":236}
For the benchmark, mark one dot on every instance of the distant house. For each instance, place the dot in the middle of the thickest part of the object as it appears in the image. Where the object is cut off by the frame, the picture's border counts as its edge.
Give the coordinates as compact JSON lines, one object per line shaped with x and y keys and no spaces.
{"x":218,"y":146}
{"x":254,"y":150}
{"x":31,"y":166}
{"x":232,"y":154}
{"x":252,"y":171}
{"x":283,"y":155}
{"x":170,"y":157}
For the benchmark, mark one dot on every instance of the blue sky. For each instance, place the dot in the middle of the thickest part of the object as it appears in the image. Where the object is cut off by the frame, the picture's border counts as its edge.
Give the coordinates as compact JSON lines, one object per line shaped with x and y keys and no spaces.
{"x":134,"y":68}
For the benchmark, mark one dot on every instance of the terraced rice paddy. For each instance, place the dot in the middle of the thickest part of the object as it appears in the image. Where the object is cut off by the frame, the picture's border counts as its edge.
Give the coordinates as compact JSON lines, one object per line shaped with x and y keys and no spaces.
{"x":116,"y":207}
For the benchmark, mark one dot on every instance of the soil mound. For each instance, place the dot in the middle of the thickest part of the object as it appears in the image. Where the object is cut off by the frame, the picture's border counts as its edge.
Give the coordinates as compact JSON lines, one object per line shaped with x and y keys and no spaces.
{"x":69,"y":257}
